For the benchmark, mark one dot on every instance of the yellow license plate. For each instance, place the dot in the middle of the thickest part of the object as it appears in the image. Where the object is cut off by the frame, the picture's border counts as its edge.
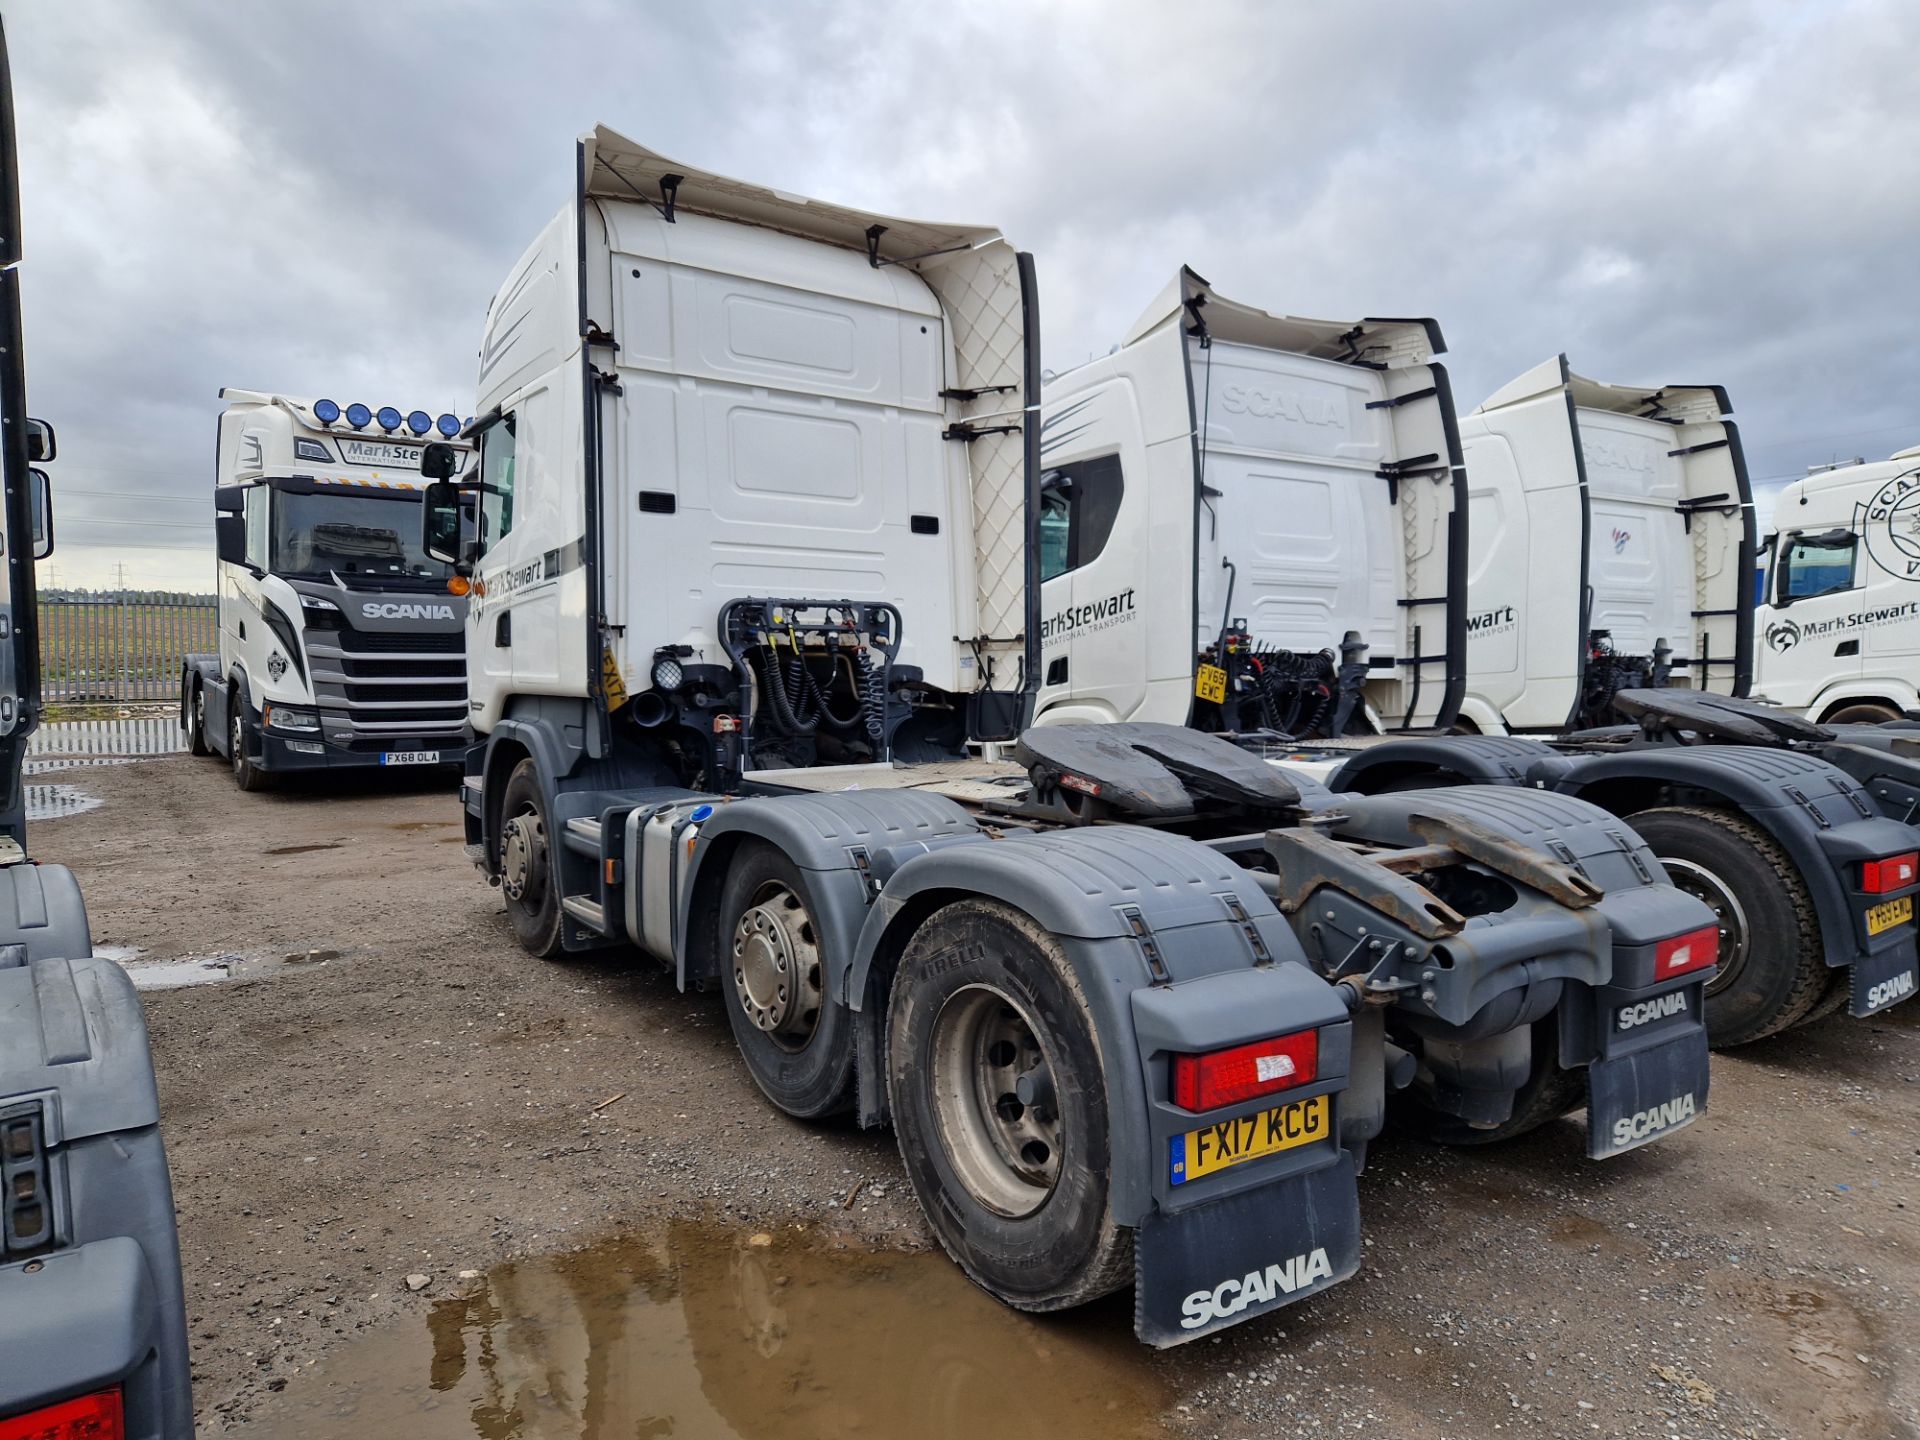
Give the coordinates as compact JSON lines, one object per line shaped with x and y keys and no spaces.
{"x":1234,"y":1142}
{"x":1890,"y":914}
{"x":1211,"y":684}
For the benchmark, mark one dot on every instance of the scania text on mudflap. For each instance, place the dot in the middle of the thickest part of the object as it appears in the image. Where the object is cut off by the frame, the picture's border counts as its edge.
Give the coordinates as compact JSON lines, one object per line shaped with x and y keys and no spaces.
{"x":1796,"y":837}
{"x":340,"y":645}
{"x":752,"y":542}
{"x":93,"y":1324}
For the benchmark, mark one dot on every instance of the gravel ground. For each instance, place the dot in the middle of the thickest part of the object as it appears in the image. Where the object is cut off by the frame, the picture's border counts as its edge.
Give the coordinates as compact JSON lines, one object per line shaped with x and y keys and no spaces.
{"x":410,"y":1094}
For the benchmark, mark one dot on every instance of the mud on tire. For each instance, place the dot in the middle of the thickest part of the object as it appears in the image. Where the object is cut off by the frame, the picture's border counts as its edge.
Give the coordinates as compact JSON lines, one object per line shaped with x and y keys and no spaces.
{"x":800,"y":1057}
{"x":1018,"y":1191}
{"x":1772,"y":969}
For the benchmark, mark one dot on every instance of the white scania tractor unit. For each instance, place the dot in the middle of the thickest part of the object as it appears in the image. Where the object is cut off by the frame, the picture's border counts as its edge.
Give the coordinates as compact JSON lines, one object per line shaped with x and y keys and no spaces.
{"x":340,"y":645}
{"x":1612,"y":544}
{"x":1839,"y":616}
{"x":754,"y":548}
{"x":1248,"y":522}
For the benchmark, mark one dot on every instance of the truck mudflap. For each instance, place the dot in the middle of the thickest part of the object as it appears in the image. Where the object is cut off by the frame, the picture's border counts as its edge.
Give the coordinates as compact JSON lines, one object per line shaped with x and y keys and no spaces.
{"x":1208,"y":1266}
{"x":1647,"y":1093}
{"x":1878,"y":982}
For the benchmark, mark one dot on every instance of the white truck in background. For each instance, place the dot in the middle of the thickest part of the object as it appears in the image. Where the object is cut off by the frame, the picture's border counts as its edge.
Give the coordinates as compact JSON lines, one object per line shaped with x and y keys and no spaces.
{"x":1839,"y":618}
{"x":1612,"y":543}
{"x":1249,"y":522}
{"x":340,"y":645}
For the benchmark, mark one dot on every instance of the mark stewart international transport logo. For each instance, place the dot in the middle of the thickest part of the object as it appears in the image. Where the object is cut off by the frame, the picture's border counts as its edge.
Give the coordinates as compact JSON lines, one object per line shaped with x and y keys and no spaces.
{"x":1783,"y":635}
{"x":1891,"y":523}
{"x":1115,"y":609}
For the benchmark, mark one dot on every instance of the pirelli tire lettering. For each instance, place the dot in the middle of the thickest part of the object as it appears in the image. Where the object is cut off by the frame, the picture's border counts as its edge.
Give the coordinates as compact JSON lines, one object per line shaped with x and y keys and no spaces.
{"x":1115,"y":609}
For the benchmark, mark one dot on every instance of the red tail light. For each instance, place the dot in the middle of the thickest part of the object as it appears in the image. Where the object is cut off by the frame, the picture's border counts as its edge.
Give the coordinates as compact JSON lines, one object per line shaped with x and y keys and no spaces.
{"x":90,"y":1417}
{"x":1895,"y":872}
{"x":1226,"y":1077}
{"x":1683,"y":954}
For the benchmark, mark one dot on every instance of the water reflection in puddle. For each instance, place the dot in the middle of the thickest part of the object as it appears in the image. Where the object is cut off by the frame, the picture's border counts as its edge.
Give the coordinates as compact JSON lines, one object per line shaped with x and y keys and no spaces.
{"x":699,"y":1331}
{"x":128,"y":735}
{"x":56,"y":802}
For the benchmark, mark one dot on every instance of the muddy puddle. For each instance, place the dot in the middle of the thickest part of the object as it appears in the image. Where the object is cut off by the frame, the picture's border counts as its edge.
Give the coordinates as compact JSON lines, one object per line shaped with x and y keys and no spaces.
{"x":161,"y":974}
{"x":699,"y":1331}
{"x":56,"y":802}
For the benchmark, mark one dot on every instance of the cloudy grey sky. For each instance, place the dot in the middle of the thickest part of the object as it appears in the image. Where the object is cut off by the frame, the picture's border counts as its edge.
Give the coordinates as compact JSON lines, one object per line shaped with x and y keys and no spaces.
{"x":321,"y":198}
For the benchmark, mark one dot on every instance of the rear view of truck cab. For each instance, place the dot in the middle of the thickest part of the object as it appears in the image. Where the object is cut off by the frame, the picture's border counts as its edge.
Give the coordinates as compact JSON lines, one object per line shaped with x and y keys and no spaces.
{"x":1612,"y":540}
{"x":340,"y":645}
{"x":1839,"y":619}
{"x":1248,"y":523}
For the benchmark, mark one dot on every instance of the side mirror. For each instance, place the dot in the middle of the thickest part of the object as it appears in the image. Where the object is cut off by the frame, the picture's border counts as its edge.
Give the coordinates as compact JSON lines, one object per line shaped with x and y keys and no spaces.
{"x":438,"y":461}
{"x":230,"y":538}
{"x":230,"y":499}
{"x":440,"y":515}
{"x":40,"y":489}
{"x":41,"y":445}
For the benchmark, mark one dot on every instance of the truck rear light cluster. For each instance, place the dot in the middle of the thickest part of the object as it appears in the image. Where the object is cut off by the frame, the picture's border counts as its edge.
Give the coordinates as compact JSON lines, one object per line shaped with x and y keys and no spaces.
{"x":1683,"y":954}
{"x":99,"y":1416}
{"x":1892,"y":872}
{"x":1243,"y":1072}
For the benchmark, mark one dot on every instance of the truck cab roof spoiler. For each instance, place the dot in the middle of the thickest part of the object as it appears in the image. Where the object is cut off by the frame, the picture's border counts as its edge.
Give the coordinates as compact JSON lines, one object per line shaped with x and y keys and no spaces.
{"x":1681,"y":404}
{"x":621,"y":169}
{"x":1387,"y":344}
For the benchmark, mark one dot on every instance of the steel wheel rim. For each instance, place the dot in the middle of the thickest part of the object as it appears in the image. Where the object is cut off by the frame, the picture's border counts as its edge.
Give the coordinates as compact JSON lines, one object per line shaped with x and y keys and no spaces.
{"x":523,"y":853}
{"x":199,"y":714}
{"x":237,"y":741}
{"x":1731,"y":917}
{"x":777,"y":975}
{"x":994,"y":1105}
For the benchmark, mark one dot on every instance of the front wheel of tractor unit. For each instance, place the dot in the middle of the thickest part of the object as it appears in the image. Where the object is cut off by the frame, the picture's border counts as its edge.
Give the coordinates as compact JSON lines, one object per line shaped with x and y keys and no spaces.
{"x":1771,"y":970}
{"x":997,"y":1085}
{"x":527,"y":872}
{"x":247,"y":775}
{"x":796,"y":1039}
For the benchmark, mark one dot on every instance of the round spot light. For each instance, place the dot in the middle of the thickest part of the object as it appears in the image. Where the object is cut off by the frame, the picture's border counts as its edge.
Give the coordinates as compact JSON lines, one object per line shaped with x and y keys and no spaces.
{"x":359,"y":416}
{"x":667,"y":674}
{"x":389,"y":418}
{"x":449,"y":425}
{"x":325,"y":411}
{"x":419,"y":422}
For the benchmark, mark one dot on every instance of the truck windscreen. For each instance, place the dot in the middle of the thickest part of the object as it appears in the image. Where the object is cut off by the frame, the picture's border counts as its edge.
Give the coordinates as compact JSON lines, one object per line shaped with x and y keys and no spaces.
{"x":325,"y":534}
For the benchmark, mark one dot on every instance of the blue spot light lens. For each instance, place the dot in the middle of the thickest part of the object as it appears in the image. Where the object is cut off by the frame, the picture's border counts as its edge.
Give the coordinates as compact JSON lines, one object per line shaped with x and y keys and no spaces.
{"x":389,"y":418}
{"x":449,"y":425}
{"x":325,"y":411}
{"x":358,"y":415}
{"x":419,"y":422}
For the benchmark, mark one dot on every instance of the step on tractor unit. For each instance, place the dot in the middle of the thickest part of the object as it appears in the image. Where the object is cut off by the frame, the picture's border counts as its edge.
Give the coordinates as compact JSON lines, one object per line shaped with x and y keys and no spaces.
{"x":753,"y":540}
{"x":340,"y":646}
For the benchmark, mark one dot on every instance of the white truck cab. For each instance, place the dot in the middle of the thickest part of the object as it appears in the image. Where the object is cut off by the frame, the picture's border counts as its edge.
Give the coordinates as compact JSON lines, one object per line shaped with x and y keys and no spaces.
{"x":1839,"y":616}
{"x":1611,"y":541}
{"x":339,"y":642}
{"x":1247,"y":523}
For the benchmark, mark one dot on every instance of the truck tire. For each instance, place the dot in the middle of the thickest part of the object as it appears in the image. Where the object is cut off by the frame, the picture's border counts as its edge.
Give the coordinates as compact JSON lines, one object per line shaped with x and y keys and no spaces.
{"x":999,"y":1098}
{"x":1833,"y":999}
{"x":796,"y":1039}
{"x":1772,"y":968}
{"x":1549,"y":1093}
{"x":1866,"y":713}
{"x":197,"y":721}
{"x":527,"y":879}
{"x":247,"y":775}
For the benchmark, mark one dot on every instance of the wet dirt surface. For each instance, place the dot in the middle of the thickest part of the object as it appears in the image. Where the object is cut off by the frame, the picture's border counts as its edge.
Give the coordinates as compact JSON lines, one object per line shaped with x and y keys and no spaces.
{"x":695,"y":1330}
{"x":433,"y":1101}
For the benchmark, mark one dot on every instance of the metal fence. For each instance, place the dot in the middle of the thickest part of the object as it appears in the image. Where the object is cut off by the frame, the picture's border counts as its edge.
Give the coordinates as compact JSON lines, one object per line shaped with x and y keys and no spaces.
{"x":123,"y":645}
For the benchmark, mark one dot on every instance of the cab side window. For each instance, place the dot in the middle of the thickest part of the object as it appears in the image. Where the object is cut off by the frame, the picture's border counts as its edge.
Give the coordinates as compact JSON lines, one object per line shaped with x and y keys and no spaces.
{"x":257,"y":500}
{"x":497,"y":477}
{"x":1812,"y":565}
{"x":1078,"y":505}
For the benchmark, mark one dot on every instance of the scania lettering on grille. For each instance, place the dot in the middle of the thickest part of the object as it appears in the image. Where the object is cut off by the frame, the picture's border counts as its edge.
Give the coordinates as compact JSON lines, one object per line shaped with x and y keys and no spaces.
{"x":405,"y":610}
{"x":1258,"y":1287}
